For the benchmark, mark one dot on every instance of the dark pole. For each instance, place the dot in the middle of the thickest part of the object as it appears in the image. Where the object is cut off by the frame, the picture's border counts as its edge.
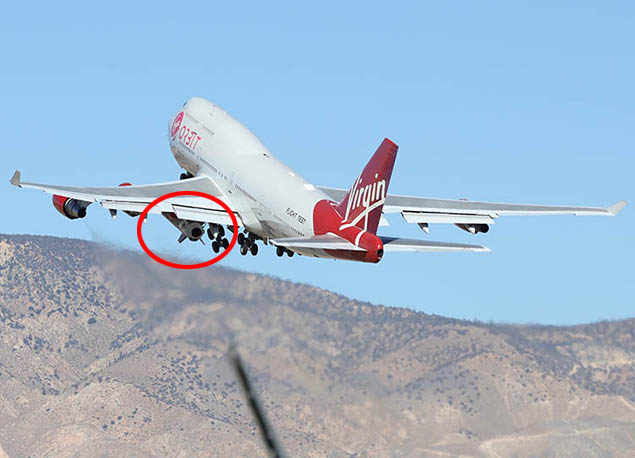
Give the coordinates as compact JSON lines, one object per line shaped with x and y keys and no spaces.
{"x":266,"y":431}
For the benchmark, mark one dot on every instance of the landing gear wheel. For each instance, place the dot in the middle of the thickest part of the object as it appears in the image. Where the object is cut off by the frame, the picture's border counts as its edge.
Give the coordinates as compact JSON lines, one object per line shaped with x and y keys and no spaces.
{"x":280,"y":251}
{"x":225,"y":243}
{"x":290,"y":253}
{"x":210,"y":234}
{"x":253,"y":249}
{"x":241,"y":239}
{"x":243,"y":249}
{"x":215,"y":246}
{"x":221,"y":231}
{"x":183,"y":176}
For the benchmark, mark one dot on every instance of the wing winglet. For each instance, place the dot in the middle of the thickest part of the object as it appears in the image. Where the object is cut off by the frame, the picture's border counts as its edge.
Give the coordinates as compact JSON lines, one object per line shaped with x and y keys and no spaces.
{"x":616,"y":208}
{"x":16,"y":178}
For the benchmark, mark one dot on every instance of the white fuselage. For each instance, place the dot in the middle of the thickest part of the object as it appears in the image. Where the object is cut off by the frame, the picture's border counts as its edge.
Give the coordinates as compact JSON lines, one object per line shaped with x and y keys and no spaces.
{"x":272,"y":200}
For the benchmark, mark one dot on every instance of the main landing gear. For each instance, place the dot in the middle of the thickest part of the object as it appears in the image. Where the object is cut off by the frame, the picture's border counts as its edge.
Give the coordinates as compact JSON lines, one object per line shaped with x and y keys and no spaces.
{"x":280,"y":251}
{"x":216,"y":234}
{"x":247,"y":242}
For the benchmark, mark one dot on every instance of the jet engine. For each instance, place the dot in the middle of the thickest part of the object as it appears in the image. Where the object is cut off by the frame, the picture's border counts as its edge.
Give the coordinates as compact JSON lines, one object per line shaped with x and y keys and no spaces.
{"x":473,"y":228}
{"x":192,"y":230}
{"x":71,"y":208}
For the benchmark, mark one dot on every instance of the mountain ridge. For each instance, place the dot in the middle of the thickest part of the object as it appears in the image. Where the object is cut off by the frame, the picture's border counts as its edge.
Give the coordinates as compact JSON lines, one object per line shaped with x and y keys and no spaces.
{"x":88,"y":331}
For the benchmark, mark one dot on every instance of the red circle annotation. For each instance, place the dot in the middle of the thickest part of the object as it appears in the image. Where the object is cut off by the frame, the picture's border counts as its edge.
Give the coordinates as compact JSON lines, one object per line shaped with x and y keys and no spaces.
{"x":176,"y":265}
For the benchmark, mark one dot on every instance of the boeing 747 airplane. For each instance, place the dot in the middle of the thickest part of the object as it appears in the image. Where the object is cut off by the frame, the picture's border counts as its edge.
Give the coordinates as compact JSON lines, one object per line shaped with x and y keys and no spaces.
{"x":276,"y":206}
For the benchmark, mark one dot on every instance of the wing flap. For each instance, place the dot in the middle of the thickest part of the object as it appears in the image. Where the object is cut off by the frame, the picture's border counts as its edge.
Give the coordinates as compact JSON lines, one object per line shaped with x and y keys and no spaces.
{"x":423,"y":217}
{"x":398,"y":204}
{"x":203,"y":215}
{"x":399,"y":244}
{"x":135,"y":206}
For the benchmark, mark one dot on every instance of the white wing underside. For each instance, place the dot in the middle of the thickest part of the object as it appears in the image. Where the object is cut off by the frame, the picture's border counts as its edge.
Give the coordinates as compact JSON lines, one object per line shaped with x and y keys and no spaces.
{"x":399,"y":244}
{"x":137,"y":198}
{"x":426,"y":210}
{"x":321,"y":242}
{"x":335,"y":243}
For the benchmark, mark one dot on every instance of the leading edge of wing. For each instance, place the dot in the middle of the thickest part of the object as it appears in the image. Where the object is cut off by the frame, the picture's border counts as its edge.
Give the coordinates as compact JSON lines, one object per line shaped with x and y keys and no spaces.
{"x":399,"y":244}
{"x":133,"y":193}
{"x":396,"y":203}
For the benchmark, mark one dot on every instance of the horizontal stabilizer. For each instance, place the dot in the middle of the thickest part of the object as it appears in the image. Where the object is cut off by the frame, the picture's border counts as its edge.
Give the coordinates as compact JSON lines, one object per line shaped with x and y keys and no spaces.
{"x":321,"y":242}
{"x":397,"y":244}
{"x":334,"y":242}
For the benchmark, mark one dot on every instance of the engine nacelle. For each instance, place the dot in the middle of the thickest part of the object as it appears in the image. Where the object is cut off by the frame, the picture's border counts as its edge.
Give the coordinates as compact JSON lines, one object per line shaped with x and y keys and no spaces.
{"x":192,"y":230}
{"x":474,"y":228}
{"x":71,"y":208}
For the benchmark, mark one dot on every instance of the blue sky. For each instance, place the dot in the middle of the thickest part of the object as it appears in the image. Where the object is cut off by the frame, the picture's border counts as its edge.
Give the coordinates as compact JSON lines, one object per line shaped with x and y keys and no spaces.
{"x":504,"y":101}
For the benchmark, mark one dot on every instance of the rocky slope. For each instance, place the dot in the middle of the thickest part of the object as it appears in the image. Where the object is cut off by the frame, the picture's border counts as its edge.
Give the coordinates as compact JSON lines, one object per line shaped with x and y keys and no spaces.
{"x":105,"y":352}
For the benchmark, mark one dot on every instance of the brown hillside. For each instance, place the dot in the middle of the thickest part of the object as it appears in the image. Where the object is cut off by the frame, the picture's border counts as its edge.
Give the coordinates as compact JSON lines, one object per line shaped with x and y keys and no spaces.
{"x":105,"y":352}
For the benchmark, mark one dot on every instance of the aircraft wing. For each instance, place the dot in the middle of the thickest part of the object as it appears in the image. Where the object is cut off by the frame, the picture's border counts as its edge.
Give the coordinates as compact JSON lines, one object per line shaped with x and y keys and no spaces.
{"x":334,"y":242}
{"x":427,"y":210}
{"x":137,"y":198}
{"x":398,"y":244}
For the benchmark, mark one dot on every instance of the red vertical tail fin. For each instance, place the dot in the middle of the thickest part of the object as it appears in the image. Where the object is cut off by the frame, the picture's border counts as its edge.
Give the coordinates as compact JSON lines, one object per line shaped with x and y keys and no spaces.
{"x":363,"y":204}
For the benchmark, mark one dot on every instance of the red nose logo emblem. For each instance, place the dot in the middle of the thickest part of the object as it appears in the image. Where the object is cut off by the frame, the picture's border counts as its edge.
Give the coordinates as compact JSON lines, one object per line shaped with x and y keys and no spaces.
{"x":176,"y":124}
